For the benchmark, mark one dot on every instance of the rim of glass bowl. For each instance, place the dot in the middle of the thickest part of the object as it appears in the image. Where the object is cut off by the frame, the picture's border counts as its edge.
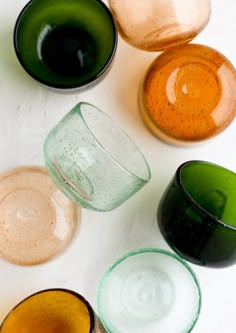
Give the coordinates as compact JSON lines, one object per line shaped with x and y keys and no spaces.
{"x":141,"y":251}
{"x":193,"y":202}
{"x":67,"y":291}
{"x":87,"y":82}
{"x":78,"y":109}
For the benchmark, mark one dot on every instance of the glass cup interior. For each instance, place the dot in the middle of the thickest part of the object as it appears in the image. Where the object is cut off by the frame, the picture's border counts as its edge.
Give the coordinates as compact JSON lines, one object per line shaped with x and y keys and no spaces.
{"x":197,"y":214}
{"x":65,"y":44}
{"x":53,"y":310}
{"x":155,"y":25}
{"x":151,"y":291}
{"x":93,"y":161}
{"x":114,"y":142}
{"x":212,"y":189}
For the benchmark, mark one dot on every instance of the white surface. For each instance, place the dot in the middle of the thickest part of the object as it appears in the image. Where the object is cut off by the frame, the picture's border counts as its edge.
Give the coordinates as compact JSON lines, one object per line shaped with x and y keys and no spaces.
{"x":28,"y":111}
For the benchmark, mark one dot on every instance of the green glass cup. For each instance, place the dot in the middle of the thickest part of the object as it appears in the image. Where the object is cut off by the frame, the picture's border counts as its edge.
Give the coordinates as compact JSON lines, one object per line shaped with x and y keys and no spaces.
{"x":92,"y":161}
{"x":197,"y":214}
{"x":65,"y":44}
{"x":149,"y":291}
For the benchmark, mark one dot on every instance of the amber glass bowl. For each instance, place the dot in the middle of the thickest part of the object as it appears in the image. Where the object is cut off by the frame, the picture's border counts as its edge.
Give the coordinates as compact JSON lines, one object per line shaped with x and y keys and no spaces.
{"x":52,"y":310}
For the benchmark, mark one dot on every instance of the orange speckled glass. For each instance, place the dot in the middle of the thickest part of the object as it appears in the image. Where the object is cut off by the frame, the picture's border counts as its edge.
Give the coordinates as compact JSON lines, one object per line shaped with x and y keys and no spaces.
{"x":188,"y":94}
{"x":155,"y":25}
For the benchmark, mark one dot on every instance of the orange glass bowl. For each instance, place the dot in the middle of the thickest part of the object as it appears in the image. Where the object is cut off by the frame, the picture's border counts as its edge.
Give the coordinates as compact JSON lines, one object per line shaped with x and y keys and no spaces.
{"x":188,"y":94}
{"x":154,"y":25}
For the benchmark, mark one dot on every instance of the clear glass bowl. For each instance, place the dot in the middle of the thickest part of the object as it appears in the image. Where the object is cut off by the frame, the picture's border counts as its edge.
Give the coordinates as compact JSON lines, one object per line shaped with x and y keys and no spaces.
{"x":149,"y":291}
{"x":93,"y":161}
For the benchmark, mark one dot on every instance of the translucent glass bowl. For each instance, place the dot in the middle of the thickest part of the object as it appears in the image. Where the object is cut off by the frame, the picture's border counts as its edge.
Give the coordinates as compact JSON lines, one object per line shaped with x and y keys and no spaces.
{"x":197,"y":214}
{"x":155,"y":25}
{"x":93,"y":161}
{"x":65,"y":45}
{"x":188,"y":95}
{"x":52,"y":310}
{"x":37,"y":221}
{"x":149,"y":291}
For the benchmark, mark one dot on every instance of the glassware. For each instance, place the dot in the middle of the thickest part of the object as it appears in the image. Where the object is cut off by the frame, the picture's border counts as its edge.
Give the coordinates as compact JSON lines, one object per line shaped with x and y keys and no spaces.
{"x":155,"y":25}
{"x":65,"y":44}
{"x":149,"y":291}
{"x":188,"y":95}
{"x":52,"y":310}
{"x":92,"y":161}
{"x":37,"y":221}
{"x":197,"y":214}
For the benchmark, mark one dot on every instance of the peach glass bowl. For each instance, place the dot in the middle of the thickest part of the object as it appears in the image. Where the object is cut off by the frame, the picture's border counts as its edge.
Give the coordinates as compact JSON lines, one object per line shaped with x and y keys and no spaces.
{"x":154,"y":25}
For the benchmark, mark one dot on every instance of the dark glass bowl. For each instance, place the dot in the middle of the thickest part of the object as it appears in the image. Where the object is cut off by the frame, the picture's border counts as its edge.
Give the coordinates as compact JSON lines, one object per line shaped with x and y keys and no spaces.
{"x":65,"y":44}
{"x":197,"y":214}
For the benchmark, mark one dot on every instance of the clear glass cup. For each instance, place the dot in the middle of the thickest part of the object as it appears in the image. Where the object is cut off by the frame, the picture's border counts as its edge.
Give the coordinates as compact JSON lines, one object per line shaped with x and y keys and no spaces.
{"x":52,"y":310}
{"x":149,"y":291}
{"x":155,"y":25}
{"x":93,"y":161}
{"x":197,"y":214}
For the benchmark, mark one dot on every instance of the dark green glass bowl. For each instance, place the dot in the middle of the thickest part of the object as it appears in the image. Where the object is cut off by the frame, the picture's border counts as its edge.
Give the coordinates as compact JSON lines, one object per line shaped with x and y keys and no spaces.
{"x":197,"y":214}
{"x":65,"y":44}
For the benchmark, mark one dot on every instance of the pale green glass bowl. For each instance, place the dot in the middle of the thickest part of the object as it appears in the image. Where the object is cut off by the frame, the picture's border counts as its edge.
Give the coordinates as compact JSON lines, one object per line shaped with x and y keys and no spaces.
{"x":149,"y":291}
{"x":93,"y":161}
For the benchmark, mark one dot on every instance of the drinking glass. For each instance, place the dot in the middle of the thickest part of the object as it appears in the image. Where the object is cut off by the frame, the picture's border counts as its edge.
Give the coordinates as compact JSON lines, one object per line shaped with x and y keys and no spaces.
{"x":149,"y":291}
{"x":154,"y":25}
{"x":52,"y":310}
{"x":65,"y":44}
{"x":93,"y":161}
{"x":197,"y":214}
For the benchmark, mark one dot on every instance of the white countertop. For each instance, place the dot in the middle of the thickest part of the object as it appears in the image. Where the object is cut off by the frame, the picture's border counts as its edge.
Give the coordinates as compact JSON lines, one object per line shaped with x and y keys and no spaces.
{"x":28,"y":111}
